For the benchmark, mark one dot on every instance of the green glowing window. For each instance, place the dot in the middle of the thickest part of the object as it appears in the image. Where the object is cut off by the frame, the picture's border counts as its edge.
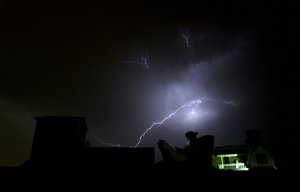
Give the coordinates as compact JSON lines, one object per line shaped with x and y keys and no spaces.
{"x":226,"y":160}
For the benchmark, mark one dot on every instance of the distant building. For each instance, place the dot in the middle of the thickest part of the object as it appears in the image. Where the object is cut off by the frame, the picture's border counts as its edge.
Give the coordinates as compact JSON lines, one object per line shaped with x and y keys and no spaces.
{"x":230,"y":157}
{"x":61,"y":160}
{"x":58,"y":138}
{"x":244,"y":157}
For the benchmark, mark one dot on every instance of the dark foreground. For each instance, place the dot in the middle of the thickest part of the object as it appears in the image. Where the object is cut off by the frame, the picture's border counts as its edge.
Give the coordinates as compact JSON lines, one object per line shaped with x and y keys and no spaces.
{"x":161,"y":176}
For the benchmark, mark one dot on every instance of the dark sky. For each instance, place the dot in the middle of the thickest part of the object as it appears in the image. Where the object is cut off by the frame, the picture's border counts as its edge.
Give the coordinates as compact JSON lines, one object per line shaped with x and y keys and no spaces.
{"x":87,"y":58}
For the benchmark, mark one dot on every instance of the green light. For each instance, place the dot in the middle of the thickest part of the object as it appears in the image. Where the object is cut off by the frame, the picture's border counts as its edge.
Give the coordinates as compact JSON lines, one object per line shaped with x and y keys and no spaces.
{"x":230,"y":162}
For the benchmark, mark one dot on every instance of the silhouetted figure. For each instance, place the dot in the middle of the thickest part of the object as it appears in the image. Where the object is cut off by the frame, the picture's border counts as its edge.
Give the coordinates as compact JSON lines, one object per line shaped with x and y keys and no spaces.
{"x":198,"y":152}
{"x":192,"y":150}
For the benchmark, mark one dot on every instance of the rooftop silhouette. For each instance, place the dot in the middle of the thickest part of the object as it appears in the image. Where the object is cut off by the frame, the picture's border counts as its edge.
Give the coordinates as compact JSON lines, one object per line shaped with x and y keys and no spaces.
{"x":61,"y":160}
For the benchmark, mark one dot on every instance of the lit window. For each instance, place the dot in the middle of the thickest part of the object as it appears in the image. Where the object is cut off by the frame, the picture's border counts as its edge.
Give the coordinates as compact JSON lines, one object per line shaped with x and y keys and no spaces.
{"x":226,"y":160}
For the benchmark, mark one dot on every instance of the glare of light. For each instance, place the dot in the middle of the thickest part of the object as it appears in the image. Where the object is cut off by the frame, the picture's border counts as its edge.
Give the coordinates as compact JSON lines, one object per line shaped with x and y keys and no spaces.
{"x":193,"y":112}
{"x":191,"y":116}
{"x":195,"y":103}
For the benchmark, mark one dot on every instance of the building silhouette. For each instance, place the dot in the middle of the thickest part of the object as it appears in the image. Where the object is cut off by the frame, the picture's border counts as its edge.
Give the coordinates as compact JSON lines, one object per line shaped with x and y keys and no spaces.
{"x":253,"y":155}
{"x":61,"y":160}
{"x":58,"y":138}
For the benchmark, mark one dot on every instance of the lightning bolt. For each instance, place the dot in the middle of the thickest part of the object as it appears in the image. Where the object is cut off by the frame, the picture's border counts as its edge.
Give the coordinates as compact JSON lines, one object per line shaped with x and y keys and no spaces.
{"x":186,"y":38}
{"x":230,"y":103}
{"x":143,"y":60}
{"x":188,"y":104}
{"x":195,"y":103}
{"x":105,"y":143}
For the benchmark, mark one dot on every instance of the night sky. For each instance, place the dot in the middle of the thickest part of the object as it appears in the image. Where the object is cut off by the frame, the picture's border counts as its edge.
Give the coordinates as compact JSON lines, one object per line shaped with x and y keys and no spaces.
{"x":124,"y":65}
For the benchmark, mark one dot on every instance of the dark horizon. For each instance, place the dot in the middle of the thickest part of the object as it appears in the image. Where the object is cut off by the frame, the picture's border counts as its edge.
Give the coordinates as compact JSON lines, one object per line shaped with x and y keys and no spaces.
{"x":62,"y":160}
{"x":126,"y":65}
